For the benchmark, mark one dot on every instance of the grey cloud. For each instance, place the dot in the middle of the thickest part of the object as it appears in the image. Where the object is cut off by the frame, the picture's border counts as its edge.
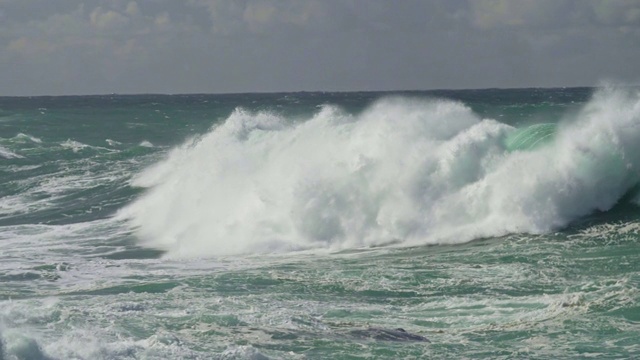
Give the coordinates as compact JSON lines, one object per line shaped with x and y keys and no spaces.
{"x":520,"y":13}
{"x":555,"y":13}
{"x":617,"y":12}
{"x":280,"y":45}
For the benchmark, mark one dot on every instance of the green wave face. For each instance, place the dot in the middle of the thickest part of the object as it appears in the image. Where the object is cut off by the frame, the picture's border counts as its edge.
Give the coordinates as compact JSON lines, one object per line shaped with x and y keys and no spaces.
{"x":531,"y":137}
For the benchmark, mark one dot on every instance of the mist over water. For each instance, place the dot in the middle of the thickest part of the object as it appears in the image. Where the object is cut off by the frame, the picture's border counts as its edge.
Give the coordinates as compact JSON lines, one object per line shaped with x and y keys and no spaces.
{"x":404,"y":170}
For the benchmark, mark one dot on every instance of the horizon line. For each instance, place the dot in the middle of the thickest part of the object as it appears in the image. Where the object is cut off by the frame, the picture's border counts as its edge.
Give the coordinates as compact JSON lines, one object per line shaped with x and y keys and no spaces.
{"x":311,"y":91}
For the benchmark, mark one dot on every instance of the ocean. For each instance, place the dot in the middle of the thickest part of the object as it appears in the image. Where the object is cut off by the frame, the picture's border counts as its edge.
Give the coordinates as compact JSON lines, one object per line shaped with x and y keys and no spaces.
{"x":462,"y":224}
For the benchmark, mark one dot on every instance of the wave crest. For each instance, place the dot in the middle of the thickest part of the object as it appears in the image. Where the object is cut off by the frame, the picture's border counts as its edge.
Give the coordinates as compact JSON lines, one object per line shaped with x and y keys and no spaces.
{"x":407,"y":170}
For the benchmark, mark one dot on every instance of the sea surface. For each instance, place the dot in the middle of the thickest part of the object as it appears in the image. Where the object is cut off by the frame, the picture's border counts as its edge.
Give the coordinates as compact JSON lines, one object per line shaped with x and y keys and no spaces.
{"x":467,"y":224}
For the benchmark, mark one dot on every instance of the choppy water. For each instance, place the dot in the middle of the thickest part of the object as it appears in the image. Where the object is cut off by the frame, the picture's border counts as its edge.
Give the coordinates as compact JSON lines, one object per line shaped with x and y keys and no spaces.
{"x":314,"y":225}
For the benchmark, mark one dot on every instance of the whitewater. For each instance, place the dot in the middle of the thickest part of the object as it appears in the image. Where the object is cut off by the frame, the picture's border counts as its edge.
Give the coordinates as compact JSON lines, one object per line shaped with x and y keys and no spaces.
{"x":442,"y":224}
{"x":408,"y":170}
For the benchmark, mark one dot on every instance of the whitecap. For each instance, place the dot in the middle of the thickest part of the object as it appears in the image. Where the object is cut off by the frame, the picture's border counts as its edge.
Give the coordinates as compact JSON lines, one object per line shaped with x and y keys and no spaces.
{"x":7,"y":154}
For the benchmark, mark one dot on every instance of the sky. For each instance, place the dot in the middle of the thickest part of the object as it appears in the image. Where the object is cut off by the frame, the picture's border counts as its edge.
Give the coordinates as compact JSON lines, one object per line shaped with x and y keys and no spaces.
{"x":58,"y":47}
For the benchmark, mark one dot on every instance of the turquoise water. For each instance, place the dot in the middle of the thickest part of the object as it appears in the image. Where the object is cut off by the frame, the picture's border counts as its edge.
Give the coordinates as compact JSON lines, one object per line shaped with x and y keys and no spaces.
{"x":315,"y":225}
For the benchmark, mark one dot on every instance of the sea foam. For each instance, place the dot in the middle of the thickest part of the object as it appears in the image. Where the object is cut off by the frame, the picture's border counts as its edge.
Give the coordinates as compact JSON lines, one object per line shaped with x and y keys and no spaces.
{"x":410,"y":171}
{"x":8,"y":154}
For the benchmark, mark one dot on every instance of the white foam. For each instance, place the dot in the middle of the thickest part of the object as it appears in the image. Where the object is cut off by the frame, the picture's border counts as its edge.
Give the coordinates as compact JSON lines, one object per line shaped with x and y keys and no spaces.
{"x":113,"y":142}
{"x":417,"y":171}
{"x":28,"y":137}
{"x":242,"y":352}
{"x":7,"y":154}
{"x":22,"y":347}
{"x":45,"y":191}
{"x":75,"y":146}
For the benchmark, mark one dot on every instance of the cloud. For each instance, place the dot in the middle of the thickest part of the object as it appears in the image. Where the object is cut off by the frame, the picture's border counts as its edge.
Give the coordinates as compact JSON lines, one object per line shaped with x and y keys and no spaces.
{"x":29,"y":47}
{"x":242,"y":16}
{"x":276,"y":45}
{"x":256,"y":14}
{"x":102,"y":28}
{"x":488,"y":14}
{"x":617,"y":12}
{"x":232,"y":17}
{"x":162,"y":21}
{"x":540,"y":14}
{"x":108,"y":19}
{"x":132,"y":9}
{"x":87,"y":48}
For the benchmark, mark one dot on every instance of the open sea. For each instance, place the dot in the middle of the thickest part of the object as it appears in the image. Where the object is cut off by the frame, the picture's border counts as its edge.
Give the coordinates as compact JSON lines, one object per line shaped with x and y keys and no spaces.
{"x":468,"y":224}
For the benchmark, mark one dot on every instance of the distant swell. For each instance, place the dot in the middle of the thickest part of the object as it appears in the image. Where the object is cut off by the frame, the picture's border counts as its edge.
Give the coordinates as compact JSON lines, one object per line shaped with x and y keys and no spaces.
{"x":405,"y":170}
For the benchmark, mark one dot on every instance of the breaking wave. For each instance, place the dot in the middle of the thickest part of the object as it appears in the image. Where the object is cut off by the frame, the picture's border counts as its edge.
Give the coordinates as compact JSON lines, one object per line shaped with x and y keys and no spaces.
{"x":411,"y":171}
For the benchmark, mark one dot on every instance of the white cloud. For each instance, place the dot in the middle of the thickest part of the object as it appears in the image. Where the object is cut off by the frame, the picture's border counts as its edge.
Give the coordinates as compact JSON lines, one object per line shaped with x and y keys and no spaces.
{"x":107,"y":19}
{"x":30,"y":47}
{"x":260,"y":15}
{"x":257,"y":14}
{"x":162,"y":21}
{"x":101,"y":28}
{"x":132,"y":9}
